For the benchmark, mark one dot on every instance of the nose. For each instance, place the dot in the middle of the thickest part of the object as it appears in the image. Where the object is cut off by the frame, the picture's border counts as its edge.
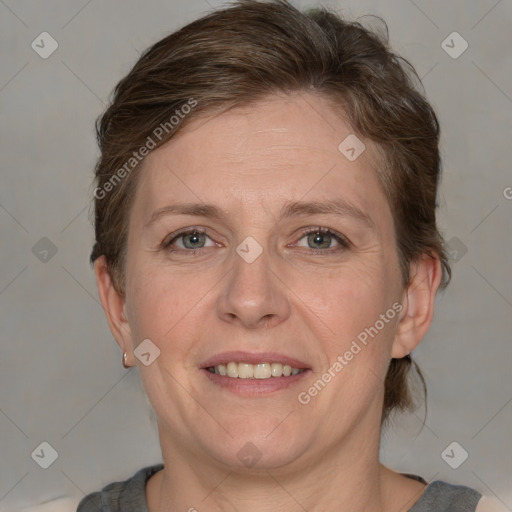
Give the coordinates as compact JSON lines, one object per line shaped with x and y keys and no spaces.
{"x":253,"y":296}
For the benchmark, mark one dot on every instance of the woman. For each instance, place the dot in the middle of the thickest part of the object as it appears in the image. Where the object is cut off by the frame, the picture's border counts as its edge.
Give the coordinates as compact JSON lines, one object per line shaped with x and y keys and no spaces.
{"x":267,"y":254}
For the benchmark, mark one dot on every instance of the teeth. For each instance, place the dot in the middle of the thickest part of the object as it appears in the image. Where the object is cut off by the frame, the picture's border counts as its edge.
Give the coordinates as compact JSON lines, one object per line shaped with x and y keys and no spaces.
{"x":254,"y":371}
{"x":262,"y":371}
{"x":245,"y":371}
{"x":232,"y":370}
{"x":277,"y":369}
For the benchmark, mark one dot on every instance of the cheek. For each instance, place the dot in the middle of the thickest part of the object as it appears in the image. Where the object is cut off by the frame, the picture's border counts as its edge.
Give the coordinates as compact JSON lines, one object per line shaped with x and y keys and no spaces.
{"x":152,"y":303}
{"x":166,"y":306}
{"x":347,"y":308}
{"x":359,"y":311}
{"x":350,"y":296}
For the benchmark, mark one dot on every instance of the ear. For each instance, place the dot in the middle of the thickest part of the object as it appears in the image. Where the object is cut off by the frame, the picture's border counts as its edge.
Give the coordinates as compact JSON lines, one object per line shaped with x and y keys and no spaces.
{"x":113,"y":303}
{"x":418,"y":304}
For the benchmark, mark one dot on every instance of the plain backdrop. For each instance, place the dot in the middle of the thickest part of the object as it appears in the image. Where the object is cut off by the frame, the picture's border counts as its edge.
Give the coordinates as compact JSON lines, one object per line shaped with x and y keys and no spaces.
{"x":61,"y":378}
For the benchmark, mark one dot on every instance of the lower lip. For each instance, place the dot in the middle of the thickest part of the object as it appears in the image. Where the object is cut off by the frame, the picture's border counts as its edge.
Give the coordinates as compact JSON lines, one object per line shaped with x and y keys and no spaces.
{"x":254,"y":387}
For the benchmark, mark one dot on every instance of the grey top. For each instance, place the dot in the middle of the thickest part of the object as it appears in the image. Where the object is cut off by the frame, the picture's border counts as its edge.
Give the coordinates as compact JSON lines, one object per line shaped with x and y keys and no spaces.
{"x":130,"y":496}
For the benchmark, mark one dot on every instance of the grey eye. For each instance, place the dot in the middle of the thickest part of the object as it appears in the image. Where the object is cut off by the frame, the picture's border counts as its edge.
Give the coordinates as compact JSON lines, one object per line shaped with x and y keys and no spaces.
{"x":318,"y":240}
{"x":194,"y":240}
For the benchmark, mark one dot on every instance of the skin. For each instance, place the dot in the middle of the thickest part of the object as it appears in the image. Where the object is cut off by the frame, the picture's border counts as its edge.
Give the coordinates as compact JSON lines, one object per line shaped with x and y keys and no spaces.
{"x":292,"y":300}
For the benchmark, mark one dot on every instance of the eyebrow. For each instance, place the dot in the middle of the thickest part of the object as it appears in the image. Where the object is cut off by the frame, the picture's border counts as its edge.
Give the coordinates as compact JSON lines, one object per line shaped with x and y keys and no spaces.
{"x":339,"y":207}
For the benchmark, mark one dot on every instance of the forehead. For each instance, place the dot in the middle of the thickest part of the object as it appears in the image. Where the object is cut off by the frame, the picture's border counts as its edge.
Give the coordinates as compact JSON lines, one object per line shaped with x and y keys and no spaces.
{"x":279,"y":149}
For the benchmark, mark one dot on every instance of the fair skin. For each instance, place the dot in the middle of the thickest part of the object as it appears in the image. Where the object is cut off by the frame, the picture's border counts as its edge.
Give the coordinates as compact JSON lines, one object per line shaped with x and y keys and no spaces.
{"x":303,"y":297}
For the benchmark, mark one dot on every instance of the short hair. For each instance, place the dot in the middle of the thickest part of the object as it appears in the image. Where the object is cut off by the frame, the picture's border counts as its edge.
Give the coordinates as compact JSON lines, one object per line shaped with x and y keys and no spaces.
{"x":252,"y":50}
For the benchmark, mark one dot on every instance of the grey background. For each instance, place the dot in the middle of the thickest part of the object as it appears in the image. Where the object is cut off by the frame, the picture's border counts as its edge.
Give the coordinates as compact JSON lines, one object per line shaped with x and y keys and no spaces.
{"x":61,"y":378}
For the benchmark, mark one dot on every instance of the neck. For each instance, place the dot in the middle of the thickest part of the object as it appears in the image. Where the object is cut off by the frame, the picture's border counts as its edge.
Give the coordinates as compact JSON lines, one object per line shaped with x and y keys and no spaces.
{"x":347,"y":476}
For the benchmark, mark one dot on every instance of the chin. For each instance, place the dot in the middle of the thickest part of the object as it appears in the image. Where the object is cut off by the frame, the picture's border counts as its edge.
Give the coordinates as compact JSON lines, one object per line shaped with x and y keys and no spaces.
{"x":258,"y":449}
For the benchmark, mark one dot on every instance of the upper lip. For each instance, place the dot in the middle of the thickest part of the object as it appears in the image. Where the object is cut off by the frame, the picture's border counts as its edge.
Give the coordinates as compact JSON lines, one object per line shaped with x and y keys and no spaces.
{"x":253,"y":358}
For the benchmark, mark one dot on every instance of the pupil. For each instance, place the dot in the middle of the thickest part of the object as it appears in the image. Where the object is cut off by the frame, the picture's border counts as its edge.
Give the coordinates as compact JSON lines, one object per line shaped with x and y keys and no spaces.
{"x":194,"y":238}
{"x":318,"y":238}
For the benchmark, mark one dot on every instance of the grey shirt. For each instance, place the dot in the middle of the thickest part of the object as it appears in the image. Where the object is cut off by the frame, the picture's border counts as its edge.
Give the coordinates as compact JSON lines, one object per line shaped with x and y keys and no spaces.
{"x":130,"y":496}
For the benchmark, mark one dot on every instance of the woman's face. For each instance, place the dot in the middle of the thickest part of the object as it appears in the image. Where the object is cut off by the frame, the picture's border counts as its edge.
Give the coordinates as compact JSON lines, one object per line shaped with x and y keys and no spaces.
{"x":254,"y":287}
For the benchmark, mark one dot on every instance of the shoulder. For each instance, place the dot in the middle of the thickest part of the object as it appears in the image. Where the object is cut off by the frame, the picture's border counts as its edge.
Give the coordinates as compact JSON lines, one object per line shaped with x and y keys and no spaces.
{"x":488,"y":504}
{"x":444,"y":497}
{"x":116,"y":496}
{"x":91,"y":503}
{"x":59,"y":505}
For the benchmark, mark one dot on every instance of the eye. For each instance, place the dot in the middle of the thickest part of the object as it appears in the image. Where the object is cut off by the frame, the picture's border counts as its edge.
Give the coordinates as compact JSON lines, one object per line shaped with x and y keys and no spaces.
{"x":191,"y":239}
{"x":321,"y":239}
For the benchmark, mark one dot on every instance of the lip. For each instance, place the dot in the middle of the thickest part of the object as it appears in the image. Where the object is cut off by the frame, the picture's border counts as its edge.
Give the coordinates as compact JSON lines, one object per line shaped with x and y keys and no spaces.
{"x":253,"y":387}
{"x":254,"y":358}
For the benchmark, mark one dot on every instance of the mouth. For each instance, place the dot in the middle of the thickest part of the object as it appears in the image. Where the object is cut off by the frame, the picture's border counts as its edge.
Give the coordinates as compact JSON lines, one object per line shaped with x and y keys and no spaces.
{"x":235,"y":370}
{"x":254,"y":374}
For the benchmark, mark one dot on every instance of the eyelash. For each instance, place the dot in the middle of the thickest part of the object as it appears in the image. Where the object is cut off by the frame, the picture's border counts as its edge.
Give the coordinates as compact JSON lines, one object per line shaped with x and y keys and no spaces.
{"x":343,"y":242}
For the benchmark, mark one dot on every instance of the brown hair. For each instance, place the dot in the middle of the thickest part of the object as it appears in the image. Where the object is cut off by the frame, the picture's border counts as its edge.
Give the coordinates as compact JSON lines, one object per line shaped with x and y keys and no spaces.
{"x":240,"y":54}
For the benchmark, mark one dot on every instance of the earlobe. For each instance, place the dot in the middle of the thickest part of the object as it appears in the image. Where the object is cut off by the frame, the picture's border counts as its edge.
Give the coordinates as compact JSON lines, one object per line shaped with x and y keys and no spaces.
{"x":113,"y":303}
{"x":418,"y":305}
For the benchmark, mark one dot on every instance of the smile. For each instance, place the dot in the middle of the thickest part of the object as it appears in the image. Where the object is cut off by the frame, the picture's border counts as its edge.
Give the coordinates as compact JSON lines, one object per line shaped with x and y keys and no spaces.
{"x":237,"y":370}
